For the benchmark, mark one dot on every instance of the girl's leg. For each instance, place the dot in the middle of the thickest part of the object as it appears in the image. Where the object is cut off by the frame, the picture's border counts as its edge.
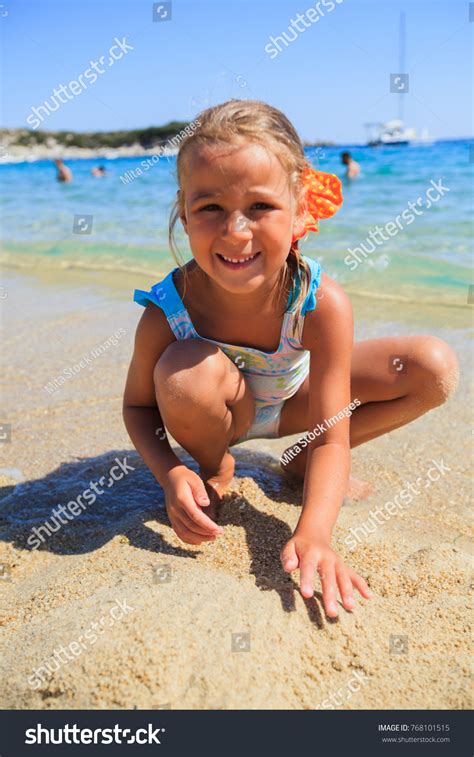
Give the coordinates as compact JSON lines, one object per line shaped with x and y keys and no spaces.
{"x":396,"y":379}
{"x":205,"y":405}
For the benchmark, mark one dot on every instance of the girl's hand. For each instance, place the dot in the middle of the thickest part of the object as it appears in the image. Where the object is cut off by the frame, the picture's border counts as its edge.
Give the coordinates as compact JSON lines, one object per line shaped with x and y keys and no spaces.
{"x":185,"y":496}
{"x":310,"y":555}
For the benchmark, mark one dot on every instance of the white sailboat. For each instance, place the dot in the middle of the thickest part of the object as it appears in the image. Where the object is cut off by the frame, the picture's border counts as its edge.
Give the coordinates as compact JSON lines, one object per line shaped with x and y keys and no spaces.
{"x":389,"y":133}
{"x":393,"y":132}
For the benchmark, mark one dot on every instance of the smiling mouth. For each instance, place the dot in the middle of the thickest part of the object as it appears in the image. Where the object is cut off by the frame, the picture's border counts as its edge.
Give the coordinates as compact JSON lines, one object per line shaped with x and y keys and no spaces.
{"x":238,"y":262}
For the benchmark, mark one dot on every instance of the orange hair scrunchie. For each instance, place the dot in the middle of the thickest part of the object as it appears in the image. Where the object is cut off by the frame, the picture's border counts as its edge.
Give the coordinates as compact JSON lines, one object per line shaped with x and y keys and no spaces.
{"x":323,"y":199}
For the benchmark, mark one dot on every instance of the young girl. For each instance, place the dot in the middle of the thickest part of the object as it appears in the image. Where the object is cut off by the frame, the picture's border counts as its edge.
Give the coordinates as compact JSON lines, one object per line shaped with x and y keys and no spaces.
{"x":235,"y":345}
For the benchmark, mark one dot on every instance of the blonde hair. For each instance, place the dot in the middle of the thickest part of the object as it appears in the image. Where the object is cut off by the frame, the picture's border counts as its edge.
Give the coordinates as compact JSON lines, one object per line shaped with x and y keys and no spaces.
{"x":237,"y":121}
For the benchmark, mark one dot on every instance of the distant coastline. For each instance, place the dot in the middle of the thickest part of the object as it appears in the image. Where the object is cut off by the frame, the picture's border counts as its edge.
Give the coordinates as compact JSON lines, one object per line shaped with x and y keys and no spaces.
{"x":26,"y":145}
{"x":18,"y":145}
{"x":29,"y":146}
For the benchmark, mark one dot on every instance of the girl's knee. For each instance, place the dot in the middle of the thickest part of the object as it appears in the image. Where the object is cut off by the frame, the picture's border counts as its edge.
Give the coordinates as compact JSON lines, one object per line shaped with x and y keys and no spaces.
{"x":439,"y":370}
{"x":190,"y":369}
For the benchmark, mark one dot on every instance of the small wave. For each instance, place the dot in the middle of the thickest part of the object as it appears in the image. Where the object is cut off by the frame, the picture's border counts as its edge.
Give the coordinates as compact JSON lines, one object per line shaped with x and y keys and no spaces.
{"x":417,"y":299}
{"x":420,"y":298}
{"x":77,"y":265}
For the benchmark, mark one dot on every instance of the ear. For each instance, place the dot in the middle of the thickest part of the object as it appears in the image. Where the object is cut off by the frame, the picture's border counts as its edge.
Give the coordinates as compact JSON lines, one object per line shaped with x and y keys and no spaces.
{"x":300,"y":217}
{"x":182,"y":215}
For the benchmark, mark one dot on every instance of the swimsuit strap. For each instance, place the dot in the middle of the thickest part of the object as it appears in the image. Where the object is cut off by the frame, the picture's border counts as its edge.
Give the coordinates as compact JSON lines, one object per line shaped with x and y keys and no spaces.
{"x":310,"y":301}
{"x":294,"y":331}
{"x":163,"y":294}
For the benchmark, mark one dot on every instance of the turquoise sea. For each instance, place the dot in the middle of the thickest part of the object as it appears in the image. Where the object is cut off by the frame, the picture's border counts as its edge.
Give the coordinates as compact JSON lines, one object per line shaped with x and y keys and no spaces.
{"x":428,"y":258}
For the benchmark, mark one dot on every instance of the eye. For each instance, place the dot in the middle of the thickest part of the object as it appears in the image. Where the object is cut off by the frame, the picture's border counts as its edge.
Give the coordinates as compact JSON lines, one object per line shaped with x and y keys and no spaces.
{"x":262,"y":206}
{"x":210,"y":207}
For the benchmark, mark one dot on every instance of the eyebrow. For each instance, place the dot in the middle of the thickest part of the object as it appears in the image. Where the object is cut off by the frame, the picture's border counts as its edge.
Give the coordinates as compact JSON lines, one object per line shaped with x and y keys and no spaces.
{"x":202,"y":195}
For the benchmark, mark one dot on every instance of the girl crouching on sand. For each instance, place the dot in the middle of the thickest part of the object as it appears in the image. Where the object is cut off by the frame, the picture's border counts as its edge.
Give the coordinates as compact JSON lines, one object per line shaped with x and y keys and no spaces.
{"x":234,"y":345}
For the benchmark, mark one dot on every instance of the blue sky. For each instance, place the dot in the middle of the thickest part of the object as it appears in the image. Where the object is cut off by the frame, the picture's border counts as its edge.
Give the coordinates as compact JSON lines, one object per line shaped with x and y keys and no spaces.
{"x":330,"y":80}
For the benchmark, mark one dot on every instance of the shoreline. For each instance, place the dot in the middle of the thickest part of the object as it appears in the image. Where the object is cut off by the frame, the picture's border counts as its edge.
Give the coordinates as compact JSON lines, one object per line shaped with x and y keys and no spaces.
{"x":14,"y":154}
{"x":121,"y":282}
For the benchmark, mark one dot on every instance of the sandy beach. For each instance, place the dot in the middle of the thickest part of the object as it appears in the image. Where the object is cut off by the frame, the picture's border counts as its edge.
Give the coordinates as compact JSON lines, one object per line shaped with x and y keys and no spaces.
{"x":218,"y":626}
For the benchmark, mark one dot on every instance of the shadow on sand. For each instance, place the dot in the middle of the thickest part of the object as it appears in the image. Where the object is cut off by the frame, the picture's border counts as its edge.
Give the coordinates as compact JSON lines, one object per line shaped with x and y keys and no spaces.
{"x":124,"y":506}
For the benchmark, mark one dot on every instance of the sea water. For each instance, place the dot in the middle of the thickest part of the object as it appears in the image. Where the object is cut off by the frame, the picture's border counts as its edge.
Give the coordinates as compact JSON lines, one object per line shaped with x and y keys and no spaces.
{"x":423,"y":253}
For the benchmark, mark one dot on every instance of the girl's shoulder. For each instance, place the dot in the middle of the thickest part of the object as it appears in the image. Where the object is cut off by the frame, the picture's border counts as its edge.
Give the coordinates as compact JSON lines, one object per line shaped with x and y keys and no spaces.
{"x":332,"y":316}
{"x":166,"y":299}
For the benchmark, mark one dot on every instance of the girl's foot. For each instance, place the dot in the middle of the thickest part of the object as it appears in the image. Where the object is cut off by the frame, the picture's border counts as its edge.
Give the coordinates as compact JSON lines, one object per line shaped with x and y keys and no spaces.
{"x":217,"y":483}
{"x":356,"y":490}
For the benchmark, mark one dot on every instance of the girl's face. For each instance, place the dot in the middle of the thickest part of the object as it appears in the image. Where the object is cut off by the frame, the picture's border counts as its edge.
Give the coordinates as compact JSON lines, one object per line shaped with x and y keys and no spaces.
{"x":239,"y":214}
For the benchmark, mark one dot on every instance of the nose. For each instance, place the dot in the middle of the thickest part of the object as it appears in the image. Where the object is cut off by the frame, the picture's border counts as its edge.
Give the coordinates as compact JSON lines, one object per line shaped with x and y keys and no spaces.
{"x":237,"y":228}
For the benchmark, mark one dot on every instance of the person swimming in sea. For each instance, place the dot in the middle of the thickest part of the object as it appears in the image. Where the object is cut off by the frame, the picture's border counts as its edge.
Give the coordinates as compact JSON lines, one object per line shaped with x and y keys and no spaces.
{"x":353,"y":167}
{"x":64,"y":173}
{"x":98,"y":171}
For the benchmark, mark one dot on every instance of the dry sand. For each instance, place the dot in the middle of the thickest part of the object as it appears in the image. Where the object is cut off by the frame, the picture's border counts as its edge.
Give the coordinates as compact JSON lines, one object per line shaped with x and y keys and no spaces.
{"x":220,"y":625}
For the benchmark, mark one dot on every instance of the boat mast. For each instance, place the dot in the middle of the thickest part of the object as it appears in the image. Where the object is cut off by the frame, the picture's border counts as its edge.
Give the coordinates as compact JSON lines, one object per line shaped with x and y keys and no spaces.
{"x":401,"y":52}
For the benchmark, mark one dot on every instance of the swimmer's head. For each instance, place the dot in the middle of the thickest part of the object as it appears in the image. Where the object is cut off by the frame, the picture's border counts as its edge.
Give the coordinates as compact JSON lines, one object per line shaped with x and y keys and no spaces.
{"x":346,"y":158}
{"x":236,"y":146}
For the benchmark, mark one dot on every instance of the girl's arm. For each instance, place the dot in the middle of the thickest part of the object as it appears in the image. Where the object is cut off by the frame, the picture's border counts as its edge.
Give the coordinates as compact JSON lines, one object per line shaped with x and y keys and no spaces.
{"x":182,"y":487}
{"x":140,"y":411}
{"x":328,"y":335}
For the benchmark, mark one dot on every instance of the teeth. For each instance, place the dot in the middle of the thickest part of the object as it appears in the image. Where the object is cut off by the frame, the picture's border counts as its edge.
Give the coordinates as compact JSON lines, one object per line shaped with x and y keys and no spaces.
{"x":241,"y":260}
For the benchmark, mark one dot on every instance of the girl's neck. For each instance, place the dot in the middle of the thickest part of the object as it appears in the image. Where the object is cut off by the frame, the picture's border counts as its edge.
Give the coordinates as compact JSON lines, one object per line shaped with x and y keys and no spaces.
{"x":261,"y":301}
